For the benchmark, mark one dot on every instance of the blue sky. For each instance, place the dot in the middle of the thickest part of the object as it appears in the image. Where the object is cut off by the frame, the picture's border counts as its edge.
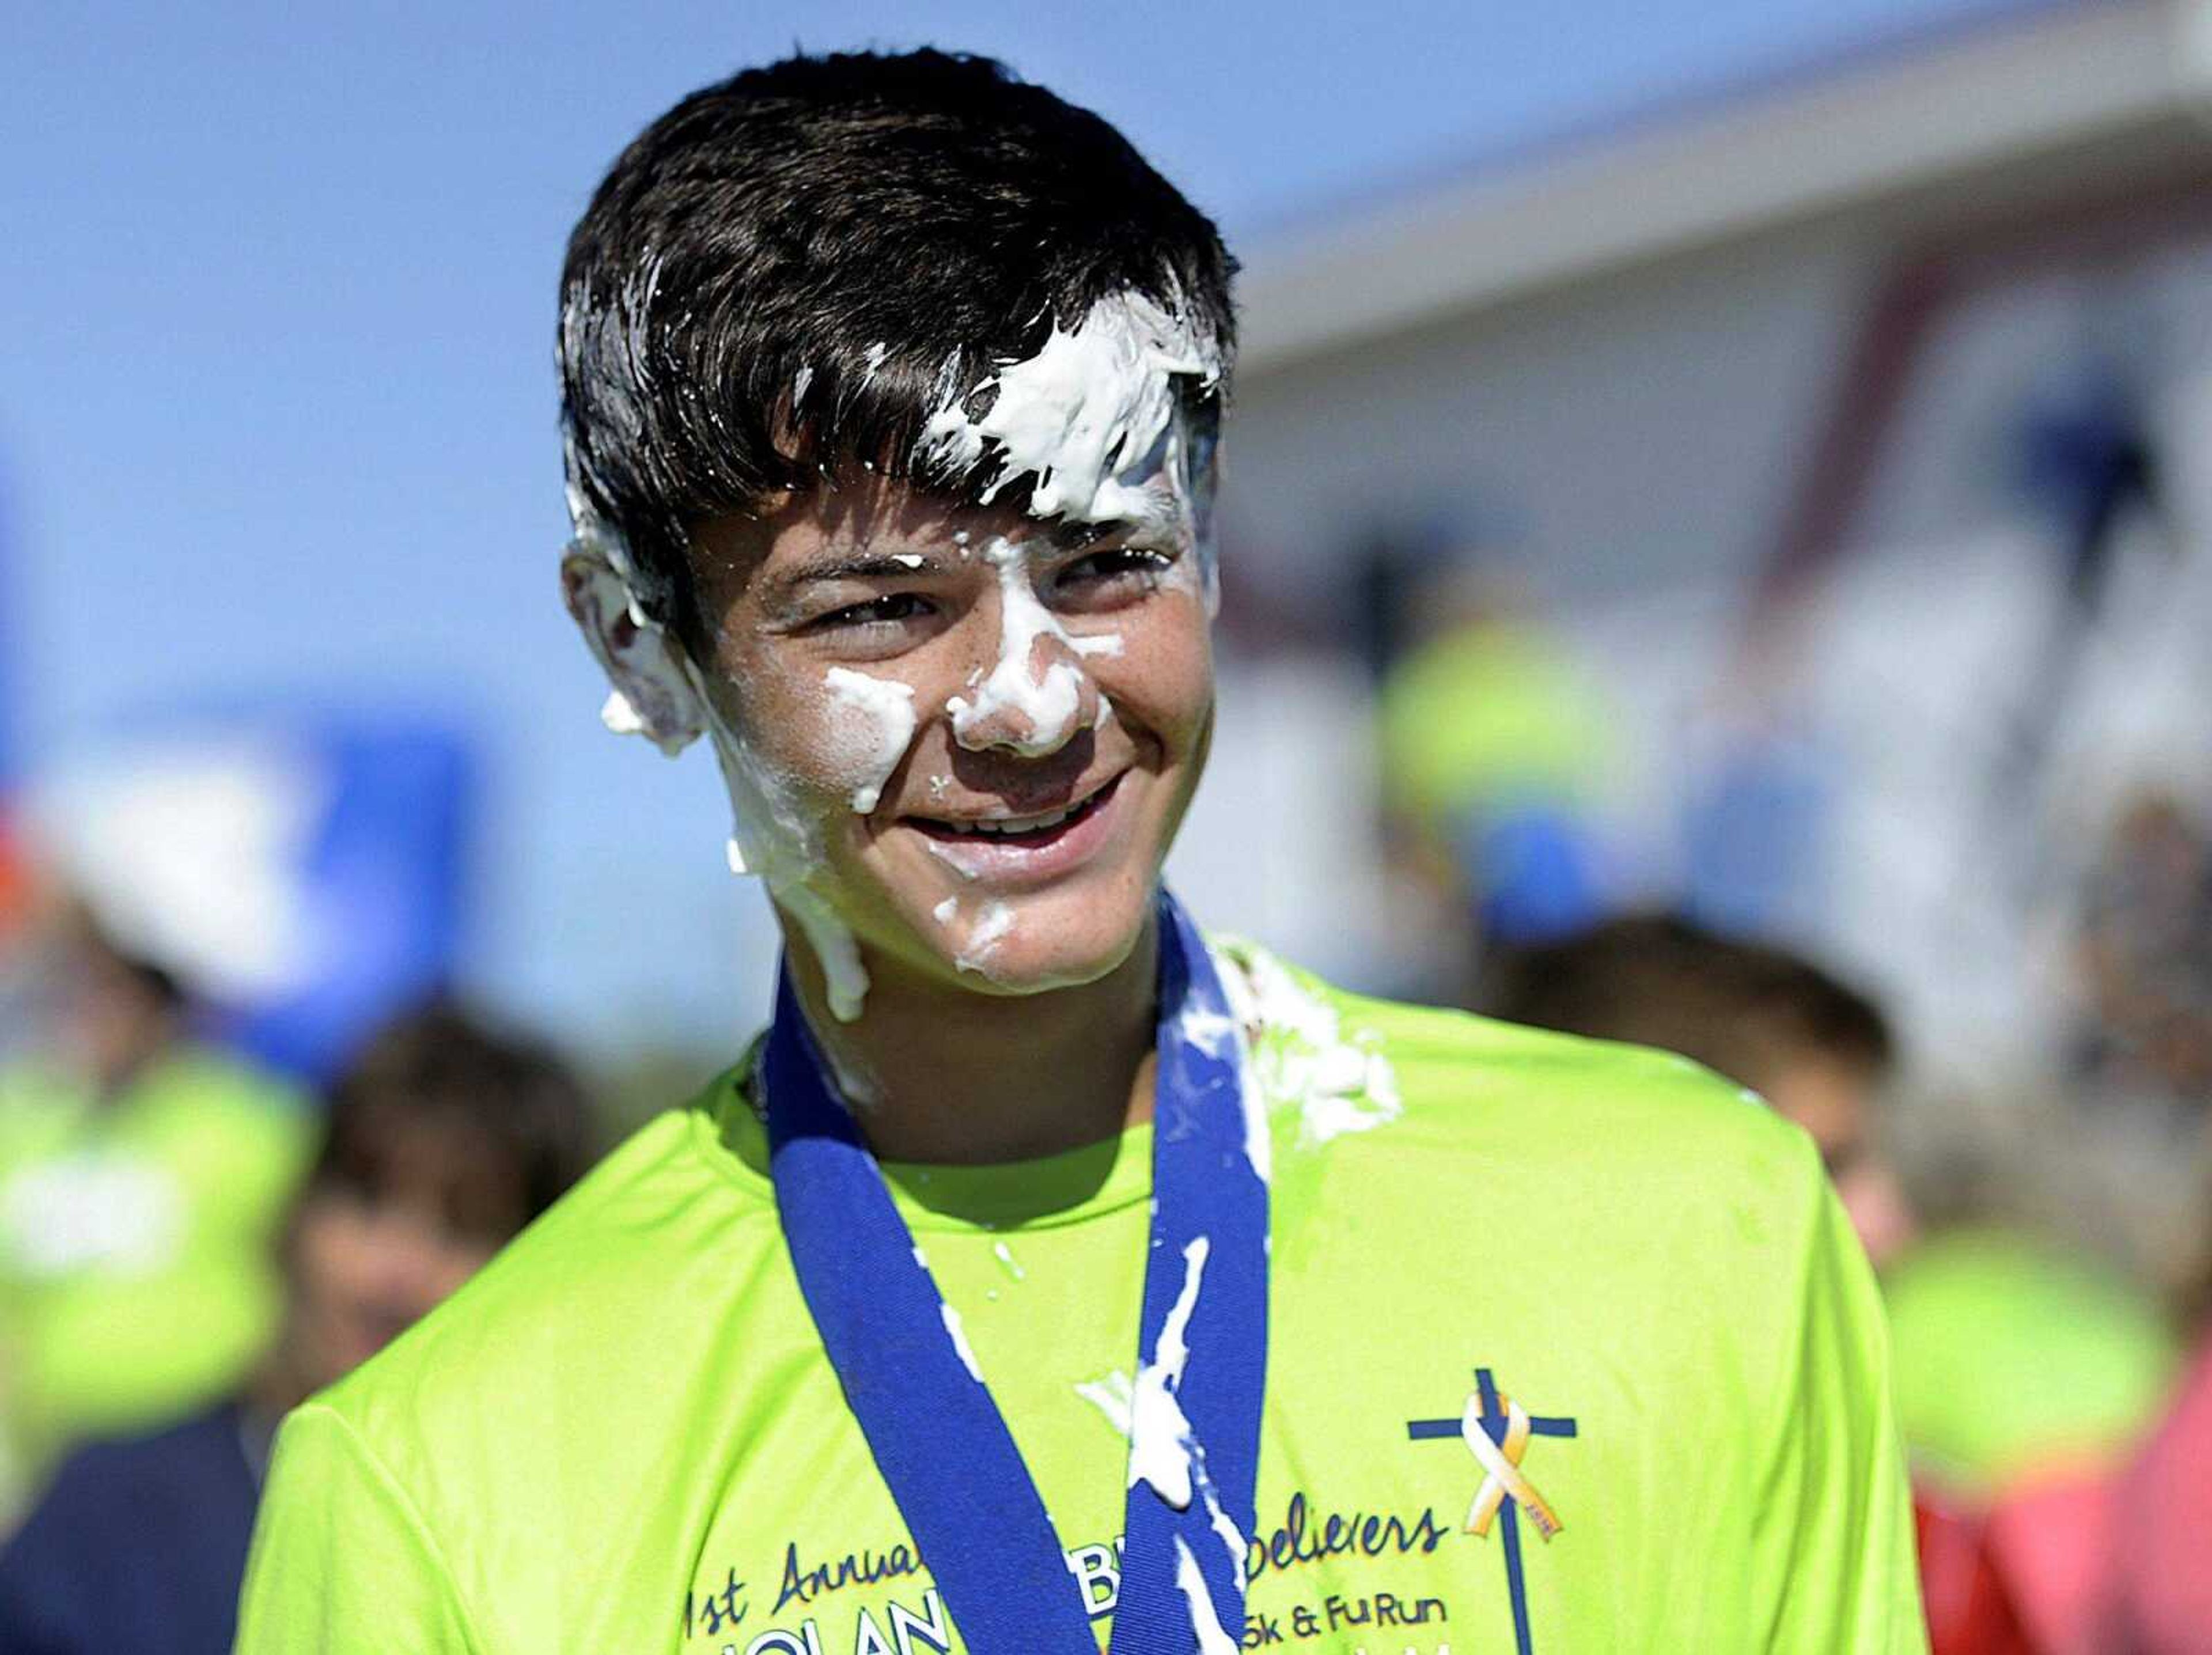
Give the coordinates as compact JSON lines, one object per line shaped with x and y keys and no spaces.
{"x":275,"y":313}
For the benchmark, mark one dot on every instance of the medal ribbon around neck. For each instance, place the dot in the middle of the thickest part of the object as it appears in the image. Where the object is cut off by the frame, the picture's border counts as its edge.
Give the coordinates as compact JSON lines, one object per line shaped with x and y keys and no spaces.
{"x":936,"y":1434}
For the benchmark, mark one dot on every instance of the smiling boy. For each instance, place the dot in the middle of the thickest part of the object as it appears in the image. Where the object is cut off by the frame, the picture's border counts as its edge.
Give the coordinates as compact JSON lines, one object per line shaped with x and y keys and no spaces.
{"x":1049,"y":1274}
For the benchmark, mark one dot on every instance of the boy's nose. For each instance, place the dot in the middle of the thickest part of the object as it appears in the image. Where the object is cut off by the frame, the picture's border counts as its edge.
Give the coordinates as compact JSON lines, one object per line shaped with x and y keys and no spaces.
{"x":1032,"y":706}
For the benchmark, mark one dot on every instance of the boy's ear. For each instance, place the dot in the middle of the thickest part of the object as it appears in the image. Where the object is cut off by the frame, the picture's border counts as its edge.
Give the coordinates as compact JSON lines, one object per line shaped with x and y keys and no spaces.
{"x":653,"y":694}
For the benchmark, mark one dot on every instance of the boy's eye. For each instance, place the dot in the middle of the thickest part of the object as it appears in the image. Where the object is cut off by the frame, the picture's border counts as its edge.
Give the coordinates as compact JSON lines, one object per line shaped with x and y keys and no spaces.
{"x":1116,"y":569}
{"x":887,"y":611}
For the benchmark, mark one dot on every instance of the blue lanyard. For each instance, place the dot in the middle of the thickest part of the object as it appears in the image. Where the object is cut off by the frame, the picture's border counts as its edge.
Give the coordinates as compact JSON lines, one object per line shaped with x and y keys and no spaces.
{"x":937,"y":1436}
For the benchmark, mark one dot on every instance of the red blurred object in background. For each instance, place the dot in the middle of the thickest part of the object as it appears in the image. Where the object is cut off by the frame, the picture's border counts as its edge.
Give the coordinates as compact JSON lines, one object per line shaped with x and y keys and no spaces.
{"x":2159,"y":1592}
{"x":2051,"y":1542}
{"x":14,"y":879}
{"x":1969,"y":1609}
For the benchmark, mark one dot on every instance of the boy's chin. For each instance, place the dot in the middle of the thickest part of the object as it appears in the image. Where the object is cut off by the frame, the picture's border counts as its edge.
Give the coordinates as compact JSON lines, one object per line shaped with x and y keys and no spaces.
{"x":1041,"y":950}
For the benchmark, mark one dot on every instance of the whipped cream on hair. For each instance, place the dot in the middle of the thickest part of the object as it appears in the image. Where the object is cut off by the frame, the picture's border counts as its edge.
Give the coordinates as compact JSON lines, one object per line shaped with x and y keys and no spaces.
{"x":1092,"y":417}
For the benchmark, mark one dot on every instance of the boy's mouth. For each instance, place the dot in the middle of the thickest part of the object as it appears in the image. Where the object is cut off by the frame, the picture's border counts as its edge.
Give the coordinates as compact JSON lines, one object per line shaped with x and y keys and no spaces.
{"x":1034,"y":830}
{"x":1039,"y":845}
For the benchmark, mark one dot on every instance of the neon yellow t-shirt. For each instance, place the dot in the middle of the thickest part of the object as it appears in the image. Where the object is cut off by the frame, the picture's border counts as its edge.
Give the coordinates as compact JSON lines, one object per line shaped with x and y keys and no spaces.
{"x":139,"y":1275}
{"x":624,"y":1435}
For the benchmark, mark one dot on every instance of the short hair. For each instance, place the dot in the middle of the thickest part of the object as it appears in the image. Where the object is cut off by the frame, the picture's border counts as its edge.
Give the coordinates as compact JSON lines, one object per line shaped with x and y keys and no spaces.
{"x":447,"y":1068}
{"x":793,"y":268}
{"x":1740,"y":1008}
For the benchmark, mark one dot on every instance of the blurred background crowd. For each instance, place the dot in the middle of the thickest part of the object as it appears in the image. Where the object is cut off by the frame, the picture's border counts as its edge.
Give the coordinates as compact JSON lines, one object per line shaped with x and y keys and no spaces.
{"x":1717,"y":552}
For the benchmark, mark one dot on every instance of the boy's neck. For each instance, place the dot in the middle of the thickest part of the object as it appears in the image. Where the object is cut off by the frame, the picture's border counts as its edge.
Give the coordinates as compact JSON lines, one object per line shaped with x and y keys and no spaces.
{"x":940,"y":1073}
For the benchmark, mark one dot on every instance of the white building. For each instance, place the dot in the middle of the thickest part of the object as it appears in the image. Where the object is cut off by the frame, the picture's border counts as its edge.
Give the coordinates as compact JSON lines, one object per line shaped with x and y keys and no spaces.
{"x":1749,"y":384}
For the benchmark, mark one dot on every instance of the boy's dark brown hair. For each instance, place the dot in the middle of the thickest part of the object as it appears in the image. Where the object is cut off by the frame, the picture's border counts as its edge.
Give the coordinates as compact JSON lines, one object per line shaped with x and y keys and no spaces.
{"x":795,"y":268}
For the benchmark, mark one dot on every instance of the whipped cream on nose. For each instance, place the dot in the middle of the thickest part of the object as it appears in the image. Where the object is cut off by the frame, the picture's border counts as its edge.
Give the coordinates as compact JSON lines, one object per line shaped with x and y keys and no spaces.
{"x":1027,"y":709}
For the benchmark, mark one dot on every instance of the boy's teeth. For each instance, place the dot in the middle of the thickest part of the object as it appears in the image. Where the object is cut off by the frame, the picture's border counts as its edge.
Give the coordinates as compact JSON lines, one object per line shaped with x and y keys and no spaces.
{"x":1020,"y":824}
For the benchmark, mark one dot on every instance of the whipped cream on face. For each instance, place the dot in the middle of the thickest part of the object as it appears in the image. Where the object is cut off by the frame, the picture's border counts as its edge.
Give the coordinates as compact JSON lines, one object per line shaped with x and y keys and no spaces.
{"x":1098,"y":420}
{"x":776,"y":839}
{"x":1014,"y":696}
{"x":875,"y":724}
{"x":951,"y":859}
{"x":984,"y":937}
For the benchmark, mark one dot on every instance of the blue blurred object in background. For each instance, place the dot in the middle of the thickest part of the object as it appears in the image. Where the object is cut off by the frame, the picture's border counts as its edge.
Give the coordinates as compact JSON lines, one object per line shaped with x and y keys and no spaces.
{"x":1533,"y":868}
{"x":303,"y":880}
{"x":1752,"y":833}
{"x":385,"y":878}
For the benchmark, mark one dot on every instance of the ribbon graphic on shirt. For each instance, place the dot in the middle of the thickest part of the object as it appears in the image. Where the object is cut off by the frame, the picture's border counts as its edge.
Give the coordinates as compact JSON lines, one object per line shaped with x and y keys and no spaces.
{"x":1496,"y":1430}
{"x":1502,"y":1462}
{"x":921,"y":1401}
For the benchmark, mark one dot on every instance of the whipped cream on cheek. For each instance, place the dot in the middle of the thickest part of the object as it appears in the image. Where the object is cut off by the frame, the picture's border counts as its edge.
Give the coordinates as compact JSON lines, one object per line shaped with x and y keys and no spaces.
{"x":776,"y":838}
{"x":869,"y":726}
{"x":657,"y":693}
{"x":873,"y":725}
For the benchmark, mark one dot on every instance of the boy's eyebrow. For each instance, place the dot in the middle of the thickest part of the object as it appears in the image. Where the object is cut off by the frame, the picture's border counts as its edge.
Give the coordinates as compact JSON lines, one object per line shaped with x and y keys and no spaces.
{"x":853,"y":563}
{"x":848,"y":565}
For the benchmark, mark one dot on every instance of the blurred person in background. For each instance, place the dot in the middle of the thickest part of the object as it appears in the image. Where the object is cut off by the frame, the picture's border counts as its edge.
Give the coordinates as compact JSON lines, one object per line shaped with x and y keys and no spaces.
{"x":142,"y":1176}
{"x":2151,"y":1592}
{"x":2155,"y":1589}
{"x":444,"y":1139}
{"x":2145,"y":958}
{"x":2025,"y":1371}
{"x":1818,"y":1052}
{"x":1493,"y":743}
{"x":2095,"y":1469}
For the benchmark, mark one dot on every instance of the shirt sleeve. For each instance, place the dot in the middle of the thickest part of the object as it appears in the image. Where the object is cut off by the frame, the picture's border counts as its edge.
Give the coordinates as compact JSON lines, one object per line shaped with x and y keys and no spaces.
{"x":342,"y":1563}
{"x":1833,"y":1551}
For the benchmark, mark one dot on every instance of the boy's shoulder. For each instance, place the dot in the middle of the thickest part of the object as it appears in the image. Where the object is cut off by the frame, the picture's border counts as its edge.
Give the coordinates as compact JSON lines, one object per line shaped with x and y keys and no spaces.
{"x":1337,"y":1067}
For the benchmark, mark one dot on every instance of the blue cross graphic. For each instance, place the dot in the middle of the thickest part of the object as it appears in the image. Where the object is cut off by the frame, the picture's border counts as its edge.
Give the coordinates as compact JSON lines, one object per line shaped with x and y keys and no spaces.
{"x":1493,"y":1427}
